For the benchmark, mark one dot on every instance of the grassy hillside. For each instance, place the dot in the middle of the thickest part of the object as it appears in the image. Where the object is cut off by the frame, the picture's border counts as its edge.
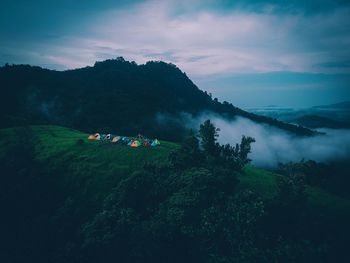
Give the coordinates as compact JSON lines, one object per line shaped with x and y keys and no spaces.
{"x":101,"y":165}
{"x":80,"y":200}
{"x":266,"y":183}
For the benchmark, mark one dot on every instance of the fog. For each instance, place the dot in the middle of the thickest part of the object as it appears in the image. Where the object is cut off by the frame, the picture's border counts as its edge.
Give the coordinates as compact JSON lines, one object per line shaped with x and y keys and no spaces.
{"x":274,"y":145}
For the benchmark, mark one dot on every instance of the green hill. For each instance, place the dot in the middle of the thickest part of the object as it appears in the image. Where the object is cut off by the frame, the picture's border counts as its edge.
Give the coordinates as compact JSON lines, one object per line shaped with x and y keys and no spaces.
{"x":79,"y":200}
{"x":265,"y":182}
{"x":101,"y":165}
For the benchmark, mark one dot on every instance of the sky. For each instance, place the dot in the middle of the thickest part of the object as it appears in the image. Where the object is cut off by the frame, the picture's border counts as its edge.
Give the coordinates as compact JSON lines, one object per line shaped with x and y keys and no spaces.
{"x":251,"y":53}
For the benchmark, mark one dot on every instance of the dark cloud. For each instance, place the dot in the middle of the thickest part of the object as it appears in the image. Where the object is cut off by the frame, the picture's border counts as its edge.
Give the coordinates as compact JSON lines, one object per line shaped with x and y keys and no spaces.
{"x":203,"y":37}
{"x":288,"y":6}
{"x":41,"y":18}
{"x":339,"y":64}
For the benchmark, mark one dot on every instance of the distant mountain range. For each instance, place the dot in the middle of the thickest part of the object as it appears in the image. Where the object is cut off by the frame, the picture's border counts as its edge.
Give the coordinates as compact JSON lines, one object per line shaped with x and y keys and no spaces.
{"x":315,"y":121}
{"x":335,"y":116}
{"x":115,"y":95}
{"x":345,"y":105}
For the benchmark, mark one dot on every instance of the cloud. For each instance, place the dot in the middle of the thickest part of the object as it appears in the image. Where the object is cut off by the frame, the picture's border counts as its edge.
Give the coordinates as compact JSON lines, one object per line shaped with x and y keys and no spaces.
{"x":274,"y":145}
{"x":203,"y":37}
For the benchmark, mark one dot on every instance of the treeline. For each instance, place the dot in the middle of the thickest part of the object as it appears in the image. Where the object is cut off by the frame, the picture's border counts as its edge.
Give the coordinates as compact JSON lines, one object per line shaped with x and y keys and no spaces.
{"x":113,"y":95}
{"x":332,"y":176}
{"x":191,"y":209}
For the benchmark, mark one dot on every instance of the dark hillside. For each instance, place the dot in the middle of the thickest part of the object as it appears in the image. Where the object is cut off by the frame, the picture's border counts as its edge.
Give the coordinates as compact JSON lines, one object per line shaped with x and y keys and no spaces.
{"x":315,"y":121}
{"x":113,"y":94}
{"x":68,"y":199}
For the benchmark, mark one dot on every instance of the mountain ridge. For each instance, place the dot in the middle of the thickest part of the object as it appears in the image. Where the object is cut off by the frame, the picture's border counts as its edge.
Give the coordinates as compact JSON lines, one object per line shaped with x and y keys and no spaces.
{"x":113,"y":94}
{"x":340,"y":105}
{"x":316,"y":121}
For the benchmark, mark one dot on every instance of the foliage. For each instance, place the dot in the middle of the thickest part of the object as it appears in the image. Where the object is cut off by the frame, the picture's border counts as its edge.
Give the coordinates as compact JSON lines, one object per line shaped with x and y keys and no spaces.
{"x":193,"y":215}
{"x":292,"y":184}
{"x":113,"y":95}
{"x":67,"y":201}
{"x":189,"y":155}
{"x":208,"y":134}
{"x":332,"y":176}
{"x":206,"y":152}
{"x":28,"y":200}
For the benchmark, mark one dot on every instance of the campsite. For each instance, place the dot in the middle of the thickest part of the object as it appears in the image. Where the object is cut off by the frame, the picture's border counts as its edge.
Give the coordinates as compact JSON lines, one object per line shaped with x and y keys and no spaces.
{"x":133,"y":142}
{"x":87,"y":175}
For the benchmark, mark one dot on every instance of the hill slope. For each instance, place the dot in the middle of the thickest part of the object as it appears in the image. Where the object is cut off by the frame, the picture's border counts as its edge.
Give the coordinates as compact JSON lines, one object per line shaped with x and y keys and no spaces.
{"x":315,"y":121}
{"x":101,"y":165}
{"x":113,"y":94}
{"x":334,"y":116}
{"x":69,"y":199}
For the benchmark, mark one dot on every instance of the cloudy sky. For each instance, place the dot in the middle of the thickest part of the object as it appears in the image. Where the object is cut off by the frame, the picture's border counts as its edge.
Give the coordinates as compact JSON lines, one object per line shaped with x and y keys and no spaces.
{"x":252,"y":53}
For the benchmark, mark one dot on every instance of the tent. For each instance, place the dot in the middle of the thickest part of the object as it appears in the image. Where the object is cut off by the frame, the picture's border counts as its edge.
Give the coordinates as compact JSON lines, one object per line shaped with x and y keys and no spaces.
{"x":116,"y":139}
{"x":97,"y":136}
{"x":155,"y":143}
{"x":135,"y":143}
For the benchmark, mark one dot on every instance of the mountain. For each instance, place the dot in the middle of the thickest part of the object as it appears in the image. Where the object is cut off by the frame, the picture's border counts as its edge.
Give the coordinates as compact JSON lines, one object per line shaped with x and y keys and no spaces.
{"x":115,"y":95}
{"x":315,"y":121}
{"x":345,"y":105}
{"x":335,"y":116}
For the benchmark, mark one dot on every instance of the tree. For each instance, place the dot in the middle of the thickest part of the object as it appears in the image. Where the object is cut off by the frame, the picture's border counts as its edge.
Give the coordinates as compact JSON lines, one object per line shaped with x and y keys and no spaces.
{"x":189,"y":155}
{"x":245,"y":149}
{"x":208,"y":135}
{"x":292,"y":183}
{"x":211,"y":155}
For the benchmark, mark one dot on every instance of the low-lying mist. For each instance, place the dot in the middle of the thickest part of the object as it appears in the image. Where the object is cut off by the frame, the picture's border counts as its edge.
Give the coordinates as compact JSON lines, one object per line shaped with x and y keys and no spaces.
{"x":274,"y":145}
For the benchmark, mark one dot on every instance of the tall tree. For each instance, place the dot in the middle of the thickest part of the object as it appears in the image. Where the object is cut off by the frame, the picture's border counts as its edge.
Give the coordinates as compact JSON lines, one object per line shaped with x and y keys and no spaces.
{"x":208,"y":135}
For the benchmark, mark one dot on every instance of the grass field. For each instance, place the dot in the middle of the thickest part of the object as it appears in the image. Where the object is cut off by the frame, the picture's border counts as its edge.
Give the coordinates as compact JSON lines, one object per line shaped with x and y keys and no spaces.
{"x":100,"y":165}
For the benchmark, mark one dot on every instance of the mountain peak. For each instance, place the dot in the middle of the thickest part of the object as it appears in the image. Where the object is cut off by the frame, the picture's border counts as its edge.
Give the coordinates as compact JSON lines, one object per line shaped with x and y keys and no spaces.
{"x":113,"y":94}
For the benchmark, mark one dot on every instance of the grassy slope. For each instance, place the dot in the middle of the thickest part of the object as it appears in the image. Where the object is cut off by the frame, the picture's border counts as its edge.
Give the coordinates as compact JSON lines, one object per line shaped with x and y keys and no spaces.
{"x":99,"y":166}
{"x":96,"y":165}
{"x":266,"y":183}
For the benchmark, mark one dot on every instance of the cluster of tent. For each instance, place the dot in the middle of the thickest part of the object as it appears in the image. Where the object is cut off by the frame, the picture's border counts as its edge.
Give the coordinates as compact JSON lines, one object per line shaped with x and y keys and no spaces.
{"x":136,"y":141}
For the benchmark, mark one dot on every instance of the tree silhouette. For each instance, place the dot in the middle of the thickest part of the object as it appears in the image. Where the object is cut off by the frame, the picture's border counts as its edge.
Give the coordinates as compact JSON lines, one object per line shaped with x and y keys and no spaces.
{"x":208,"y":134}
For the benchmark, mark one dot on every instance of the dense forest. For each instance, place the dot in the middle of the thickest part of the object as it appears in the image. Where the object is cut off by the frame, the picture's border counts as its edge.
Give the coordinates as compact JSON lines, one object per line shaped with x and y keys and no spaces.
{"x":67,"y":199}
{"x":113,"y":95}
